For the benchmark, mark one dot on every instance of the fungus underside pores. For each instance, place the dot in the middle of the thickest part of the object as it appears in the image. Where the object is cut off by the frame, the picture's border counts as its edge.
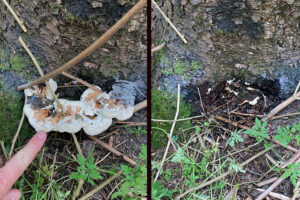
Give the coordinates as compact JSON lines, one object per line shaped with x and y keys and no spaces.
{"x":93,"y":112}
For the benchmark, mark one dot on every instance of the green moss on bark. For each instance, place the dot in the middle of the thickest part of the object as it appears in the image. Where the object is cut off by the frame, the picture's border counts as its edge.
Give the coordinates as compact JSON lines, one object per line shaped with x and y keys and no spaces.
{"x":11,"y":108}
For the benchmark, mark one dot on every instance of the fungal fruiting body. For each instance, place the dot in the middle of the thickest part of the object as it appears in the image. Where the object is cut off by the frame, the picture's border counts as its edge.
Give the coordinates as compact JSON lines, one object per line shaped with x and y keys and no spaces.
{"x":94,"y":112}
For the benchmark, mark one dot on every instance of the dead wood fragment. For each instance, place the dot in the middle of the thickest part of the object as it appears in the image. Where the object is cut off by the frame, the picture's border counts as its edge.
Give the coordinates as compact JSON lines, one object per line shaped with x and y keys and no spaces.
{"x":111,"y":149}
{"x":275,"y":195}
{"x":157,"y":48}
{"x":281,"y":106}
{"x":266,"y":182}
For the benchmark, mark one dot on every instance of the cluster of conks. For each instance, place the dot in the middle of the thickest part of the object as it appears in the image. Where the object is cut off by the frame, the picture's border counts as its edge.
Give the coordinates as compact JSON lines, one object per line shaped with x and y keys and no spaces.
{"x":93,"y":113}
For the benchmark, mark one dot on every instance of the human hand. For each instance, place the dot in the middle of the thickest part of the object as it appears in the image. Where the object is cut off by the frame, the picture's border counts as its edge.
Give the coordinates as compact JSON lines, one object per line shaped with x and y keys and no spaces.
{"x":15,"y":167}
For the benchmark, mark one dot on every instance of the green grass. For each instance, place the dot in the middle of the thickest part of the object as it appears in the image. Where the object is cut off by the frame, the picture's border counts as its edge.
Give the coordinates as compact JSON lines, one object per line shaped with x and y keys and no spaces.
{"x":164,"y":107}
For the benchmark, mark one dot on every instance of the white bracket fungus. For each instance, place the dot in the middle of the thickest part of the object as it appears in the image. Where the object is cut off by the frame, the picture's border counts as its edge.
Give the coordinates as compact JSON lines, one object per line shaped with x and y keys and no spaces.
{"x":94,"y":112}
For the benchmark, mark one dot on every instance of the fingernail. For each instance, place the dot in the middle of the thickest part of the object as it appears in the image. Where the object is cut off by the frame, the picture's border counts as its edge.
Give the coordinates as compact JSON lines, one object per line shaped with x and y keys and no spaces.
{"x":17,"y":195}
{"x":41,"y":135}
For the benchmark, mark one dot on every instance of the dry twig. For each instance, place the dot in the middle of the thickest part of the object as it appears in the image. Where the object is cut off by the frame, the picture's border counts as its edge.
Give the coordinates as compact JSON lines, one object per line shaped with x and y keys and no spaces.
{"x":111,"y":149}
{"x":169,"y":21}
{"x":4,"y":150}
{"x":81,"y":81}
{"x":140,"y":106}
{"x":281,"y":106}
{"x":20,"y":22}
{"x":275,"y":195}
{"x":157,"y":48}
{"x":39,"y":69}
{"x":266,"y":182}
{"x":91,"y":193}
{"x":18,"y":131}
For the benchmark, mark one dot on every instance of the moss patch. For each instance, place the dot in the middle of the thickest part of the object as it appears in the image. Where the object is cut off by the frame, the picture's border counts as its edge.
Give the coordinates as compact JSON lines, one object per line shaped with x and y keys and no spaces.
{"x":11,"y":108}
{"x":15,"y":62}
{"x":183,"y":69}
{"x":164,"y":107}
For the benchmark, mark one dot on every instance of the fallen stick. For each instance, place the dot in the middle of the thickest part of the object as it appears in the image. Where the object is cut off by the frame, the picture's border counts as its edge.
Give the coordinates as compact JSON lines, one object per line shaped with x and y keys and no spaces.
{"x":291,"y":160}
{"x":275,"y":195}
{"x":18,"y":131}
{"x":286,"y":115}
{"x":39,"y":69}
{"x":136,"y":8}
{"x":270,"y":189}
{"x":272,"y":160}
{"x":178,"y":120}
{"x":169,"y":21}
{"x":274,"y":185}
{"x":157,"y":48}
{"x":170,"y":135}
{"x":111,"y":149}
{"x":4,"y":150}
{"x":223,"y":175}
{"x":266,"y":182}
{"x":20,"y":22}
{"x":140,"y":106}
{"x":81,"y":81}
{"x":102,"y":185}
{"x":80,"y":181}
{"x":281,"y":106}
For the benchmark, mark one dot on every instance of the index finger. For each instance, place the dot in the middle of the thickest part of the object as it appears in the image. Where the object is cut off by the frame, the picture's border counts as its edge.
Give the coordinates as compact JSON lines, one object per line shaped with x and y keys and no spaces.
{"x":14,"y":168}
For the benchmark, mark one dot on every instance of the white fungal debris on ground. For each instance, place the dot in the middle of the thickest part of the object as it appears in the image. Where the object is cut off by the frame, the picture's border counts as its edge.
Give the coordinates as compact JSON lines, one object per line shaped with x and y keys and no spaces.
{"x":93,"y":113}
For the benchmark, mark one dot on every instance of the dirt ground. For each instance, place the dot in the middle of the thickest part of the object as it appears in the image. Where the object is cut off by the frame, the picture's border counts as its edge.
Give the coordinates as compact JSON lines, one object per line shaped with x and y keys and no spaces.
{"x":222,"y":102}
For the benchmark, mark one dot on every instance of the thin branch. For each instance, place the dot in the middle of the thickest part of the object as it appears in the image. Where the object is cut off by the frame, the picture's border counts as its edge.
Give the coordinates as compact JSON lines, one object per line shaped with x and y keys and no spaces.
{"x":20,"y":22}
{"x":157,"y":48}
{"x":39,"y":69}
{"x":296,"y":90}
{"x":171,"y":133}
{"x":140,"y":106}
{"x":286,"y":115}
{"x":266,"y":182}
{"x":178,"y":120}
{"x":270,"y":189}
{"x":77,"y":144}
{"x":80,"y":182}
{"x":275,"y":195}
{"x":91,"y":193}
{"x":201,"y":101}
{"x":81,"y":81}
{"x":281,"y":106}
{"x":169,"y":21}
{"x":273,"y":186}
{"x":136,"y":8}
{"x":4,"y":150}
{"x":111,"y":149}
{"x":247,"y":114}
{"x":18,"y":131}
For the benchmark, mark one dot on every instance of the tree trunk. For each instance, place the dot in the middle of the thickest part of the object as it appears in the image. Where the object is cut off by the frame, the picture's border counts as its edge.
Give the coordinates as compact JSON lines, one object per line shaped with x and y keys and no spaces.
{"x":247,"y":39}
